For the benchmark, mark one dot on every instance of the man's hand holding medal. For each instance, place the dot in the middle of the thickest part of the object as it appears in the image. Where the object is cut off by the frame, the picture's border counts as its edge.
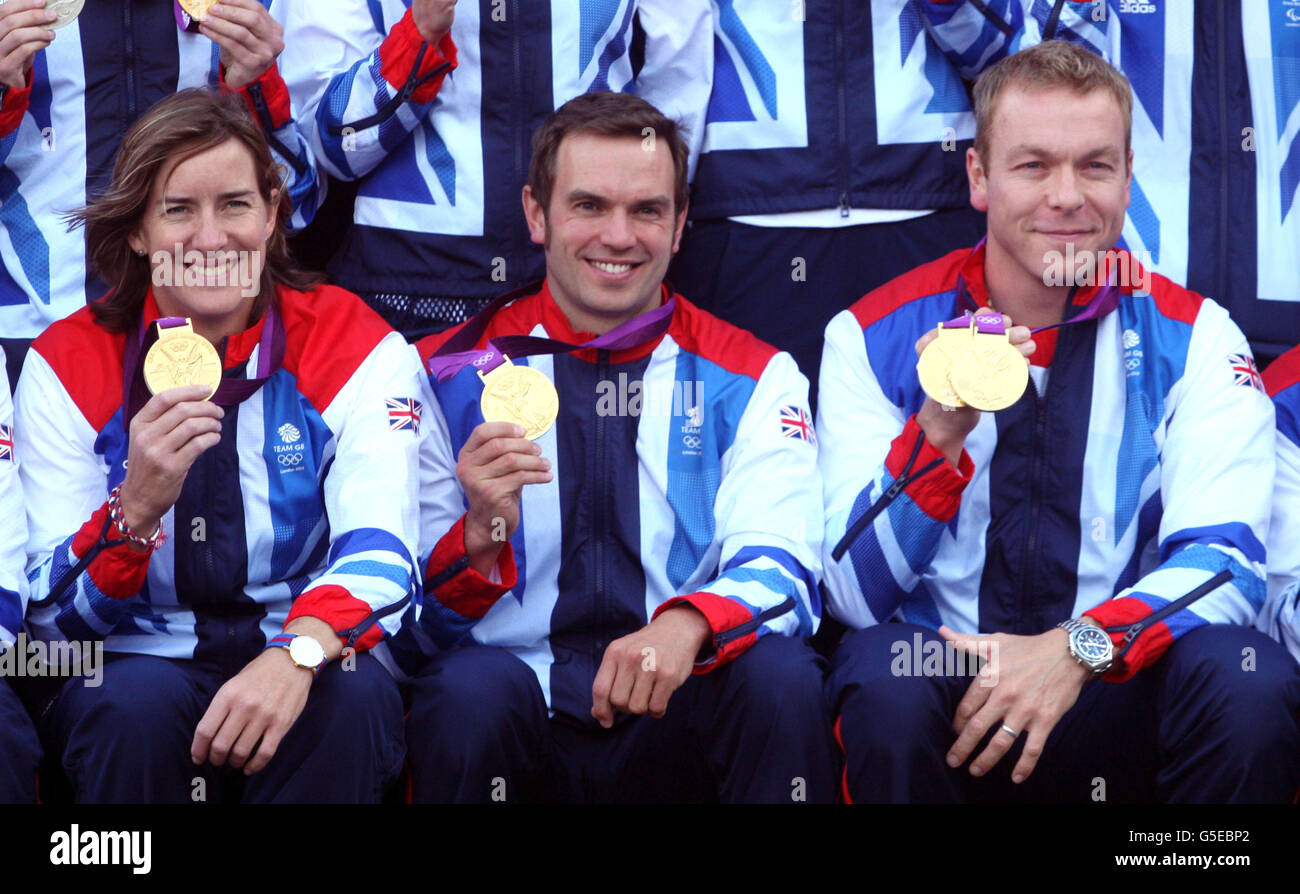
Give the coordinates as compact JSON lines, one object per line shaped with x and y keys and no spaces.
{"x":249,"y":38}
{"x":966,"y":366}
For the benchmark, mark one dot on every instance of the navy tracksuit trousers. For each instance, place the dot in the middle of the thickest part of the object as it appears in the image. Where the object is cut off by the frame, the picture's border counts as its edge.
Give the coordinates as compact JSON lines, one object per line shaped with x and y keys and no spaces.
{"x":20,"y":752}
{"x":1213,"y":721}
{"x":128,"y":740}
{"x":755,"y":730}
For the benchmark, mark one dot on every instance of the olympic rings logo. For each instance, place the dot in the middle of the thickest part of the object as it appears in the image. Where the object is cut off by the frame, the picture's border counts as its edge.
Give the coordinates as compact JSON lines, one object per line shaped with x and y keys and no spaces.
{"x":692,"y":441}
{"x":289,"y":459}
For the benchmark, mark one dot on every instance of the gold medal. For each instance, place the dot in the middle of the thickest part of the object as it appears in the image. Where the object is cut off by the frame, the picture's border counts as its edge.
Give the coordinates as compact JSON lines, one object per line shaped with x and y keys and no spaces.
{"x":522,"y":395}
{"x":992,"y":374}
{"x":936,"y":361}
{"x":197,"y":8}
{"x":66,"y":10}
{"x":181,"y":357}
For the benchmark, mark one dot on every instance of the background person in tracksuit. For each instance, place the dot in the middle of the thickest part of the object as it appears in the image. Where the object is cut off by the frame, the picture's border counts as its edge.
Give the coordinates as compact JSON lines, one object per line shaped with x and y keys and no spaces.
{"x":1216,"y":134}
{"x":1280,"y":617}
{"x":68,"y":98}
{"x":832,"y":162}
{"x":20,"y":751}
{"x":436,"y":125}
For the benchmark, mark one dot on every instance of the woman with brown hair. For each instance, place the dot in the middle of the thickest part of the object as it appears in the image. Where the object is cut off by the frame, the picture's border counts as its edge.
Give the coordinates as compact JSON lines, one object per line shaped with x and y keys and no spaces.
{"x":203,"y":448}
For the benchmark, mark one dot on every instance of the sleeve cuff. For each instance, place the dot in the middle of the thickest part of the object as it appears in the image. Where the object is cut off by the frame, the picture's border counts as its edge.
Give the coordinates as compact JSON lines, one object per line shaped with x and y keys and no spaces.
{"x":14,"y":107}
{"x":397,"y":56}
{"x":341,"y":610}
{"x":268,"y":91}
{"x":1145,"y":650}
{"x":454,"y":582}
{"x":118,"y":571}
{"x":937,"y":492}
{"x":723,"y":615}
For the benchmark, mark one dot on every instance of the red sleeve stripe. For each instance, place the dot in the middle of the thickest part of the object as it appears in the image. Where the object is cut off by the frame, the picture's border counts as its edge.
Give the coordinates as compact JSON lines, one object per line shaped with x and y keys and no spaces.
{"x":338,"y":608}
{"x":1146,"y":649}
{"x":937,"y":492}
{"x":457,"y":585}
{"x":397,"y":57}
{"x":117,"y":572}
{"x":723,"y":614}
{"x":15,"y":106}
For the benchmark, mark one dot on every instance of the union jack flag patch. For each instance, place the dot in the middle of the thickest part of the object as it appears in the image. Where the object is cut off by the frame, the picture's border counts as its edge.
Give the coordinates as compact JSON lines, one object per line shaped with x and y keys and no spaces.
{"x":403,"y":412}
{"x":796,"y":423}
{"x":1245,"y":373}
{"x":6,"y":443}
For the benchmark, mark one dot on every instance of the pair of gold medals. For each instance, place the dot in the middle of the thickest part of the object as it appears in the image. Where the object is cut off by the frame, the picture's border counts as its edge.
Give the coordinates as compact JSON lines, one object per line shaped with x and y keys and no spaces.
{"x":973,"y":366}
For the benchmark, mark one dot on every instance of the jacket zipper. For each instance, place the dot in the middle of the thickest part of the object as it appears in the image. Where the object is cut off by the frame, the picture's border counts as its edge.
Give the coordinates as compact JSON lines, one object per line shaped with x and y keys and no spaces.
{"x":354,"y":633}
{"x":520,"y":129}
{"x":1134,"y":630}
{"x":387,"y":110}
{"x":842,"y":147}
{"x":753,"y":624}
{"x":1221,"y":284}
{"x":1035,"y":504}
{"x":128,"y":65}
{"x":882,"y":502}
{"x":601,"y":518}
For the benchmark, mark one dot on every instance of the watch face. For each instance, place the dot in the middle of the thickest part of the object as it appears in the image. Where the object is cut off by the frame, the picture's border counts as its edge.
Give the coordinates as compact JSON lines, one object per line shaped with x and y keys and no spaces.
{"x":1092,"y":644}
{"x":306,"y":652}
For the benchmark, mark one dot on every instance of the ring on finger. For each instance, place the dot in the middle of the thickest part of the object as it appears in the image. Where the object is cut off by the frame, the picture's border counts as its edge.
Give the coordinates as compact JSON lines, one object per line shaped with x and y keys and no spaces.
{"x":1010,"y":732}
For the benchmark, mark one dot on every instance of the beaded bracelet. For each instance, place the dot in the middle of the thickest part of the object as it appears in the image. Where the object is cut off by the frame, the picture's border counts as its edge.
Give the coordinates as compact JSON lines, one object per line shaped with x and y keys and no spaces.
{"x":119,"y":521}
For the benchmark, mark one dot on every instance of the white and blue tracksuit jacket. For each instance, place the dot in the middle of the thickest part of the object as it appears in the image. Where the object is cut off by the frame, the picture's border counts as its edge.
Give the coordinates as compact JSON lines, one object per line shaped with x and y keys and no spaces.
{"x":1216,"y":133}
{"x":1141,"y":469}
{"x":1280,"y":618}
{"x":59,"y":138}
{"x":13,"y":529}
{"x":442,"y":154}
{"x":305,"y":507}
{"x":684,"y":471}
{"x":830,"y":103}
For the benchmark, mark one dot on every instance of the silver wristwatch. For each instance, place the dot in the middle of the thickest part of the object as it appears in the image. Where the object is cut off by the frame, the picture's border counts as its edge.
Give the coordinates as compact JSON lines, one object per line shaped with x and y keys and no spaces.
{"x":1090,"y":645}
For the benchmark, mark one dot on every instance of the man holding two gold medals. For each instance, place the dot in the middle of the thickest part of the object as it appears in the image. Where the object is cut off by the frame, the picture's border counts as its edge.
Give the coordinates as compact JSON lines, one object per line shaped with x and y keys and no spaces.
{"x":1099,"y":512}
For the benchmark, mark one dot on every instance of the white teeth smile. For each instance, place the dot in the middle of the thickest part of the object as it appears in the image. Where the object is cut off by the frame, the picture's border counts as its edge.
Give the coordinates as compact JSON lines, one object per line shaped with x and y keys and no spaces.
{"x":611,"y":268}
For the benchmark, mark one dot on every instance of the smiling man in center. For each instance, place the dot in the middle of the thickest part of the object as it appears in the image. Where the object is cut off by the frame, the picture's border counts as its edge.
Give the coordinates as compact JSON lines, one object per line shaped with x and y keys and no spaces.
{"x":621,"y":605}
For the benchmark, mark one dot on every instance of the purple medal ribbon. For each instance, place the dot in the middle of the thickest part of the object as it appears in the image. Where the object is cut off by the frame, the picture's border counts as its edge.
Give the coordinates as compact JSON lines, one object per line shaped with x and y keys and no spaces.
{"x":1106,"y":300}
{"x":990,"y":324}
{"x":270,"y":356}
{"x":458,"y":352}
{"x":183,"y":19}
